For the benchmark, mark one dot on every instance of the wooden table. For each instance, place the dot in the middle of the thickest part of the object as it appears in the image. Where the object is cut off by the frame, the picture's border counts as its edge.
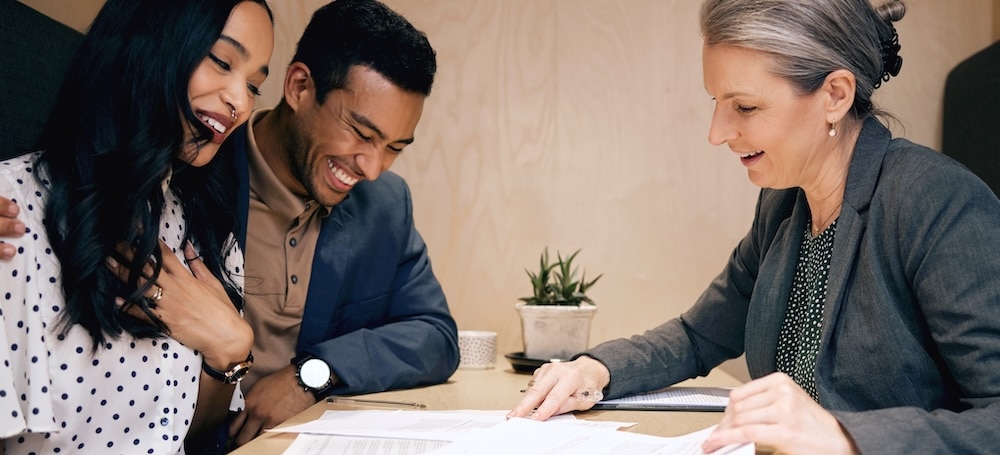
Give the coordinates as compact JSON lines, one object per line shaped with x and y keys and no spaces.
{"x":496,"y":389}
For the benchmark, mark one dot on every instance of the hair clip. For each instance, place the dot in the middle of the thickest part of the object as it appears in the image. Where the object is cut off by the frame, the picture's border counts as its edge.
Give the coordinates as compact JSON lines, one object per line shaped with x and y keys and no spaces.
{"x":891,"y":61}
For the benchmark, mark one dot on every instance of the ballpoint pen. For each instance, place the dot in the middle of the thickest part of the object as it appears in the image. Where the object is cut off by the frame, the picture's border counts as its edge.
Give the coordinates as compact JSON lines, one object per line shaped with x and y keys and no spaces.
{"x":589,"y":395}
{"x":584,"y":395}
{"x":368,"y":402}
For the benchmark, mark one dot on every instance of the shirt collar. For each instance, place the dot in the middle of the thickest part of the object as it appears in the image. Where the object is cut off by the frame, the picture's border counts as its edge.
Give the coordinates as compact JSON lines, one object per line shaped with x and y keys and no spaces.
{"x":266,"y":187}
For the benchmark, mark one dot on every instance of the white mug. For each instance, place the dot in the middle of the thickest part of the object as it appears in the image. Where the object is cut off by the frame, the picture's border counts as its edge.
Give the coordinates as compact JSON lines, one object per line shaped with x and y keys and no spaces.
{"x":477,"y":349}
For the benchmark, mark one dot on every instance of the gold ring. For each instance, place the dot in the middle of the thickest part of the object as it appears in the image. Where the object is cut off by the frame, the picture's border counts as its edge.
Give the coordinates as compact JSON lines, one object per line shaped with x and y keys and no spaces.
{"x":158,"y":294}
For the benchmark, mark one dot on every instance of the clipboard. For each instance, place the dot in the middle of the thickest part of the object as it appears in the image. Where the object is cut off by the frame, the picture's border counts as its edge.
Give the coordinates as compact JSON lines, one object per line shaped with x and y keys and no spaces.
{"x":685,"y":399}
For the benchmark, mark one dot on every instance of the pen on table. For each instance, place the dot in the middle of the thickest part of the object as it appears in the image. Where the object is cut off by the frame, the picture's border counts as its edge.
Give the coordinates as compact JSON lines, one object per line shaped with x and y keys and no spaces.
{"x":584,"y":395}
{"x":368,"y":402}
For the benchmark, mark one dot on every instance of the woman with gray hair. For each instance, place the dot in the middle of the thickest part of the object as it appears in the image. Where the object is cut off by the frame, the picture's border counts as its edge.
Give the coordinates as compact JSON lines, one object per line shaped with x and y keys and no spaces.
{"x":864,"y":296}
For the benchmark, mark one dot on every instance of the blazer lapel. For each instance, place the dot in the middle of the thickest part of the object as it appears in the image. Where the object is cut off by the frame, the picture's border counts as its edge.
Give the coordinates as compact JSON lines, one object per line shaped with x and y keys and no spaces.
{"x":862,"y":177}
{"x":771,"y":291}
{"x":777,"y":270}
{"x":327,"y":275}
{"x":237,"y":145}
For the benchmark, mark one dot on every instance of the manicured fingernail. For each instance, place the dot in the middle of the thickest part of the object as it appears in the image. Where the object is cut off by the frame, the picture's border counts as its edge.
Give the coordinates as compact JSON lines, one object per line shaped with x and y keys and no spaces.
{"x":19,"y":228}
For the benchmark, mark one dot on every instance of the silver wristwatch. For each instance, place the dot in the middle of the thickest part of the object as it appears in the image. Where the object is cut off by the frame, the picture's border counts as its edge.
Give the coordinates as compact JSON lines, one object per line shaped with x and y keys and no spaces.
{"x":314,"y":375}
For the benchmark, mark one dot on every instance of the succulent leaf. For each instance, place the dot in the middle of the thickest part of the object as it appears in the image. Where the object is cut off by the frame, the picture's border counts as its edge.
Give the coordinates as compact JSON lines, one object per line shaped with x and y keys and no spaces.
{"x":555,"y":282}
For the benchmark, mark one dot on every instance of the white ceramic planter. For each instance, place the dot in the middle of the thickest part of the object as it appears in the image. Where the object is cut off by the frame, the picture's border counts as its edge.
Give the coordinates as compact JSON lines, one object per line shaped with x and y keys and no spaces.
{"x":555,"y":332}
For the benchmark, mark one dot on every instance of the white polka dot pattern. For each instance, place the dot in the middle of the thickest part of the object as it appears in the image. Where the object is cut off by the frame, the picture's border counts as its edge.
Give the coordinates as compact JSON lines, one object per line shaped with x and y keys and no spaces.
{"x":56,"y":396}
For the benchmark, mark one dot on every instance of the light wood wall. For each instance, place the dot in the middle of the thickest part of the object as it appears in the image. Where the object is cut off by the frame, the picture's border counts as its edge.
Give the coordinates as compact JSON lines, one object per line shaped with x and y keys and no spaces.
{"x":582,"y":124}
{"x":996,"y":20}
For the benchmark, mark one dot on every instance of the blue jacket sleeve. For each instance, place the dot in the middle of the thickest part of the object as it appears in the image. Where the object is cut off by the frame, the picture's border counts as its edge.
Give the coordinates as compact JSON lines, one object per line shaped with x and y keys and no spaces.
{"x":375,"y":312}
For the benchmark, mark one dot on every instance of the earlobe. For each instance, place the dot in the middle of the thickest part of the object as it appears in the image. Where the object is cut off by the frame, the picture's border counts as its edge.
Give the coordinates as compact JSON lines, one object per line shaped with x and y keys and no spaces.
{"x":840,"y":86}
{"x":298,"y":81}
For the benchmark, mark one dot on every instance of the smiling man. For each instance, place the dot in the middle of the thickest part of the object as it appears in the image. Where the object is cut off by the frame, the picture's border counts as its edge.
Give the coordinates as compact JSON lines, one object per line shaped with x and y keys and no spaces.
{"x":339,"y":288}
{"x":340,"y":291}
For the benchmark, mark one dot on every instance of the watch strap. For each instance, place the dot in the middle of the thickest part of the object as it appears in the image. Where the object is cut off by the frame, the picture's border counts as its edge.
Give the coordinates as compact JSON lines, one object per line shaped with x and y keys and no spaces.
{"x":231,"y":376}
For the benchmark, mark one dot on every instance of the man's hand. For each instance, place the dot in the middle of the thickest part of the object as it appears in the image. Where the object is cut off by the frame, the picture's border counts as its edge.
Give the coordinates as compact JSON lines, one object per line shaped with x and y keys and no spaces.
{"x":272,"y":400}
{"x":10,"y":226}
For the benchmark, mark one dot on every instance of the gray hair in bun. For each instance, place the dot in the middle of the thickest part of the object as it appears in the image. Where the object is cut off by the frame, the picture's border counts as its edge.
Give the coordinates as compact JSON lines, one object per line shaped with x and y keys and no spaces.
{"x":809,"y":39}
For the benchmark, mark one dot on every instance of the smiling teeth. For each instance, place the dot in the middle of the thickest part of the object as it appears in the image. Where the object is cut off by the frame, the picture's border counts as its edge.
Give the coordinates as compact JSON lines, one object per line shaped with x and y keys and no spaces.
{"x":748,"y":155}
{"x":214,"y":124}
{"x":341,"y":175}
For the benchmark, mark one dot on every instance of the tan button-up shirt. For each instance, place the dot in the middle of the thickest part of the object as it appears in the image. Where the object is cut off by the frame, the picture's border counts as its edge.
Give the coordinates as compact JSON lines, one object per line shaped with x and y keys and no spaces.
{"x":282,"y":231}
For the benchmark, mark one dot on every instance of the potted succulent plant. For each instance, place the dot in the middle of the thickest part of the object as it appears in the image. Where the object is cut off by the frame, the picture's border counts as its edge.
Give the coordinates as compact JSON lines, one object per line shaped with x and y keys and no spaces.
{"x":555,"y":319}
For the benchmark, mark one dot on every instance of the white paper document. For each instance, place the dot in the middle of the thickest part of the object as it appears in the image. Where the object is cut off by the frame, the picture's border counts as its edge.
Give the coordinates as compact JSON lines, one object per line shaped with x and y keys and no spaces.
{"x":530,"y":437}
{"x":430,"y":425}
{"x":672,"y":399}
{"x":477,"y":432}
{"x":320,"y":444}
{"x":422,"y":425}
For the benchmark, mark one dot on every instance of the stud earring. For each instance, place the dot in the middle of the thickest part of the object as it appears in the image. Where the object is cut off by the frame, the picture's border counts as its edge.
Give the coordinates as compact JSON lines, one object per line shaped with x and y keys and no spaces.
{"x":233,"y":112}
{"x":833,"y":130}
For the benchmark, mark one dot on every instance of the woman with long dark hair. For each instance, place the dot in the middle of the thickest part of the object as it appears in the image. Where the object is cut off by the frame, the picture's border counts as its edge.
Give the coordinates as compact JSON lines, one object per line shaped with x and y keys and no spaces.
{"x":121,"y":328}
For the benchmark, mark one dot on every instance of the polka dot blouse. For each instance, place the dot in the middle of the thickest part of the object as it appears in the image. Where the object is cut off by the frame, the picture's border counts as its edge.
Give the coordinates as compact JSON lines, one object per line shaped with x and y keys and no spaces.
{"x":798,"y":343}
{"x":56,"y":396}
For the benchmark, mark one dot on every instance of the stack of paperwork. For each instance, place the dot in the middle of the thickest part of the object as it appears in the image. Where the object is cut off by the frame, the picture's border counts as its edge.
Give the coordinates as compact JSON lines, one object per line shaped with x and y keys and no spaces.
{"x":480,"y":432}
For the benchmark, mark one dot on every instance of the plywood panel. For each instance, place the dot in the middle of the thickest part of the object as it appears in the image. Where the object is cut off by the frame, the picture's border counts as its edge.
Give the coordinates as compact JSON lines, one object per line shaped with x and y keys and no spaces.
{"x":603,"y":149}
{"x":77,"y":14}
{"x":996,"y":20}
{"x":935,"y":36}
{"x":582,"y":124}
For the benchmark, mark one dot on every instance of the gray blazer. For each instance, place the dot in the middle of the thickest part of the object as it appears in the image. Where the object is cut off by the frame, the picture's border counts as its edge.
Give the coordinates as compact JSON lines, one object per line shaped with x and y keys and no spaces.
{"x":909,"y":359}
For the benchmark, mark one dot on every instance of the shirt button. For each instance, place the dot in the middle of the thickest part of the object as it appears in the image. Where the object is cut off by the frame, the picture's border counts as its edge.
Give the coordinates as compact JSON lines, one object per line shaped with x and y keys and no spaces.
{"x":295,"y":279}
{"x":164,"y":421}
{"x":293,"y":242}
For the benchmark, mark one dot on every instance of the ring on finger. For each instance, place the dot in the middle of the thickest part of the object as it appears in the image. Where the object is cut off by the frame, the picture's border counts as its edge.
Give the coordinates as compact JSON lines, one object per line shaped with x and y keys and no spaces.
{"x":157,"y":295}
{"x":196,"y":258}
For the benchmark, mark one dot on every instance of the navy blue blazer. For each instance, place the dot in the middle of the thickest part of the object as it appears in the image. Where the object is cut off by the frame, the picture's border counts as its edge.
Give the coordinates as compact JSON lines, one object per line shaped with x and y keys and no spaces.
{"x":374,"y":310}
{"x":909,"y":358}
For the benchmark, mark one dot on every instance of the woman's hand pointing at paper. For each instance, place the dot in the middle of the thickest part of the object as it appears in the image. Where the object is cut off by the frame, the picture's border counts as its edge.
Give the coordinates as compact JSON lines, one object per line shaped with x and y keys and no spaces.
{"x":555,"y":388}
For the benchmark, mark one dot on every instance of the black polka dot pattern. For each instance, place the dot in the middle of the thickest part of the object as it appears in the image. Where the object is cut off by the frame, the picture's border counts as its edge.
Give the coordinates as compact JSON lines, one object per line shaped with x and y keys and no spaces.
{"x":798,"y":342}
{"x":56,"y":395}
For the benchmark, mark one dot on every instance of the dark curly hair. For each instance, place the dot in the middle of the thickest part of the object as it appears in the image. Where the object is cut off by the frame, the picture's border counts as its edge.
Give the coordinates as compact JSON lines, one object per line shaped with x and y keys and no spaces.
{"x":112,"y":137}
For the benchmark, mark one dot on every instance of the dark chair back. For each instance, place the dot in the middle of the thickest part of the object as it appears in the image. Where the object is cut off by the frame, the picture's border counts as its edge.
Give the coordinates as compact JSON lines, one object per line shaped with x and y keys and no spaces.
{"x":34,"y":53}
{"x":971,"y":132}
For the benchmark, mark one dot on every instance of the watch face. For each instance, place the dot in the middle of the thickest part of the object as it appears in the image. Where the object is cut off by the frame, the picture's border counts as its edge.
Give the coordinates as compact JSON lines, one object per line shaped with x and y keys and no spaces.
{"x":315,"y":373}
{"x":238,"y":373}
